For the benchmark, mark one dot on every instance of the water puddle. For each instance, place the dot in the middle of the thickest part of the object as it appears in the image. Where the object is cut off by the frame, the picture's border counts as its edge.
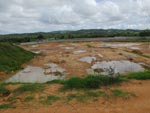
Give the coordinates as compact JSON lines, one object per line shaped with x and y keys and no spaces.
{"x":117,"y":66}
{"x":79,"y":51}
{"x":88,"y":59}
{"x":54,"y":68}
{"x":119,"y":45}
{"x":32,"y":74}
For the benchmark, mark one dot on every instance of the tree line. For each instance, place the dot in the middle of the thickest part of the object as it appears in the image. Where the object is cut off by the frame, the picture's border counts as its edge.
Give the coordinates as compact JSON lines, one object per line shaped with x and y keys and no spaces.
{"x":90,"y":33}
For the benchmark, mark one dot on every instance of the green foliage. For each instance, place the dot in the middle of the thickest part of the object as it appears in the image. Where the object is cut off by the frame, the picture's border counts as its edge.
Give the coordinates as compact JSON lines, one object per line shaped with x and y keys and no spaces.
{"x":12,"y":57}
{"x":90,"y":82}
{"x":89,"y":33}
{"x":6,"y":106}
{"x":139,"y":75}
{"x":29,"y":88}
{"x":145,"y":33}
{"x":4,"y":91}
{"x":86,"y":96}
{"x":120,"y":93}
{"x":74,"y":83}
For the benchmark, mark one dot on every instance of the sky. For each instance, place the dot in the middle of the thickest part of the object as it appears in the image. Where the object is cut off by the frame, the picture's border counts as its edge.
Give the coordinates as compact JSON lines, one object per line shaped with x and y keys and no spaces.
{"x":24,"y":16}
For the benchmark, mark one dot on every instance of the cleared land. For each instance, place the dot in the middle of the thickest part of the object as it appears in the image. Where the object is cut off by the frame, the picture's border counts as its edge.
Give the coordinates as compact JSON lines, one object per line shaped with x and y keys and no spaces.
{"x":131,"y":96}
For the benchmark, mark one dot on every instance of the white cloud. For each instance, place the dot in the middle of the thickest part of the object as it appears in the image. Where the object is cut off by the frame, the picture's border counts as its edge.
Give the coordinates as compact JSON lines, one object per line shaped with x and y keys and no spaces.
{"x":18,"y":16}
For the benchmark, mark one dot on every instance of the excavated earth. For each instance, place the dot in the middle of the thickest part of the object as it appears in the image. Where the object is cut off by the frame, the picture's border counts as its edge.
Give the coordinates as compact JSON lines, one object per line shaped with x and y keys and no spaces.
{"x":66,"y":60}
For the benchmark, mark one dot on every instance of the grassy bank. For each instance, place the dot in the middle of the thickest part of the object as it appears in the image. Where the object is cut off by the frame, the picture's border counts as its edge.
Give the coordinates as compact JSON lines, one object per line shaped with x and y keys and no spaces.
{"x":12,"y":57}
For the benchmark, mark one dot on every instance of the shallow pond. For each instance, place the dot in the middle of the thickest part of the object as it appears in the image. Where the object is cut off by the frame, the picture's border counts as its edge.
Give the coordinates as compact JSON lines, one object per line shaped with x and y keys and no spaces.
{"x":122,"y":66}
{"x":32,"y":74}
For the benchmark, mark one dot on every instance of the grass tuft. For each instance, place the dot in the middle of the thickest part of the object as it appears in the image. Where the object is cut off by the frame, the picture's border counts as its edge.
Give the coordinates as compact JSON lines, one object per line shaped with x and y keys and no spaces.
{"x":91,"y":82}
{"x":6,"y":106}
{"x":50,"y":99}
{"x":120,"y":93}
{"x":139,"y":75}
{"x":29,"y":88}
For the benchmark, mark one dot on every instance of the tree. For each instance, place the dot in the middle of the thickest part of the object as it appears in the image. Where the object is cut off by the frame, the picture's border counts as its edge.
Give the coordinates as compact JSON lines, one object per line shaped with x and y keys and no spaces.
{"x":145,"y":33}
{"x":40,"y":37}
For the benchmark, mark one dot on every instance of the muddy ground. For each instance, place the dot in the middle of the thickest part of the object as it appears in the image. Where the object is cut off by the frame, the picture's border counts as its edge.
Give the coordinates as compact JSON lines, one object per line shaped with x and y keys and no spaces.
{"x":67,"y":56}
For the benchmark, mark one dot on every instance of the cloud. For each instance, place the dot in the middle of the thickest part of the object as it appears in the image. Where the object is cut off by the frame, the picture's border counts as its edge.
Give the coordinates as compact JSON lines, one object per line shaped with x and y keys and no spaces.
{"x":17,"y":16}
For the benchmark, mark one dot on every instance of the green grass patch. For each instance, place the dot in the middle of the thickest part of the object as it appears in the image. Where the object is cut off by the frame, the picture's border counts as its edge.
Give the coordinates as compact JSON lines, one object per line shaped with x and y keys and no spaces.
{"x":87,"y":95}
{"x":12,"y":57}
{"x":29,"y":88}
{"x":139,"y":75}
{"x":91,"y":82}
{"x":122,"y":94}
{"x":50,"y":99}
{"x":6,"y":106}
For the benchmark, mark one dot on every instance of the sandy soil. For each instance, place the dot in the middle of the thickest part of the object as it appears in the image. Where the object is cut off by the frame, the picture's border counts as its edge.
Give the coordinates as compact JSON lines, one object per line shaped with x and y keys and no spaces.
{"x":138,"y":104}
{"x":62,"y":54}
{"x":65,"y":58}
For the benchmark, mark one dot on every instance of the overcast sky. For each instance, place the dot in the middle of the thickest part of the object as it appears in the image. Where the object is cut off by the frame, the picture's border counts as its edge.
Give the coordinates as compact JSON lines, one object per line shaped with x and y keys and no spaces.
{"x":19,"y":16}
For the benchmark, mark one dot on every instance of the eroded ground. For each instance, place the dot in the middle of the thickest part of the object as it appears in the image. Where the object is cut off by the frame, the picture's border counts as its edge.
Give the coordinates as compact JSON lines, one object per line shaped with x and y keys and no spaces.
{"x":78,"y":58}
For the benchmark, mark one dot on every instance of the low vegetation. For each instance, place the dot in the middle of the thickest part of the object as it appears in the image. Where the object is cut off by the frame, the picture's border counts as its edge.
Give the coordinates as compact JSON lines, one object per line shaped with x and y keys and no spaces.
{"x":12,"y":57}
{"x":29,"y":88}
{"x":91,"y":82}
{"x":139,"y":75}
{"x":50,"y":99}
{"x":89,"y":33}
{"x":122,"y":94}
{"x":6,"y":106}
